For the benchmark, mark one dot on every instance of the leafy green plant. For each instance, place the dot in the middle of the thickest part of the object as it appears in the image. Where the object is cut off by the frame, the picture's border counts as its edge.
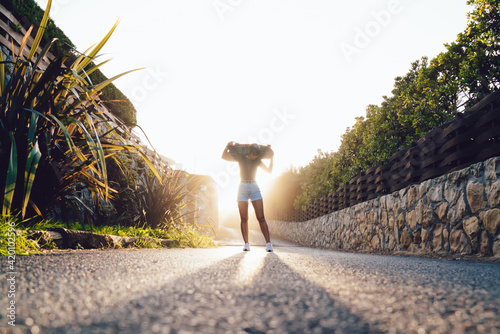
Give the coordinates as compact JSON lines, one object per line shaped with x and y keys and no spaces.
{"x":113,"y":98}
{"x":14,"y":242}
{"x":315,"y":179}
{"x":125,"y":181}
{"x":161,"y":204}
{"x":183,"y":235}
{"x":51,"y":124}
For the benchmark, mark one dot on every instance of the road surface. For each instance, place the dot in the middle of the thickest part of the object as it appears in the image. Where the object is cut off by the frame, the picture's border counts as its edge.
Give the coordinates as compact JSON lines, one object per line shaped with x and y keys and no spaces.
{"x":224,"y":290}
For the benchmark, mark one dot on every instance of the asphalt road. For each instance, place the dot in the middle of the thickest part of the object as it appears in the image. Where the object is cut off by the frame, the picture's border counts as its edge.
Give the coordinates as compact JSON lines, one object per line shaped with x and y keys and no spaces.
{"x":224,"y":290}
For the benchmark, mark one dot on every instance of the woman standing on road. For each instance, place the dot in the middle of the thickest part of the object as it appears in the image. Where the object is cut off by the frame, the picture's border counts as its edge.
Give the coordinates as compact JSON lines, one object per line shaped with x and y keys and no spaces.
{"x":248,"y":189}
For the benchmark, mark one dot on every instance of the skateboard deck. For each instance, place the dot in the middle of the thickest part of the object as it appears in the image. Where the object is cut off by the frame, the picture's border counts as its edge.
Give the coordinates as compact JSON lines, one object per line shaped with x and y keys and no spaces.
{"x":243,"y":149}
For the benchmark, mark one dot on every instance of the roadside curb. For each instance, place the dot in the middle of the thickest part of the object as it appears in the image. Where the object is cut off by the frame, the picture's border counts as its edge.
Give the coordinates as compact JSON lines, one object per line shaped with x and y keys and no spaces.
{"x":74,"y":239}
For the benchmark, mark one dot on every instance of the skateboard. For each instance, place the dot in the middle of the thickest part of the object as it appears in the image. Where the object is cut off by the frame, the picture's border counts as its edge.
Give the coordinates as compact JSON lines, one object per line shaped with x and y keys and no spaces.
{"x":243,"y":149}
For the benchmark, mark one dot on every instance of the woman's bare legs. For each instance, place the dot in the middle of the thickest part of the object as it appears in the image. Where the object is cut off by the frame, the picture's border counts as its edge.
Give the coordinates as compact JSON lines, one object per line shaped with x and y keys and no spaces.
{"x":259,"y":213}
{"x":243,"y":207}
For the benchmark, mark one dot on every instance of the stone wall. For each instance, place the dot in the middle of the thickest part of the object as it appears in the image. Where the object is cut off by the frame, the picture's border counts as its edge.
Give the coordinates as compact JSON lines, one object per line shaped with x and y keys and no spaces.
{"x":455,"y":213}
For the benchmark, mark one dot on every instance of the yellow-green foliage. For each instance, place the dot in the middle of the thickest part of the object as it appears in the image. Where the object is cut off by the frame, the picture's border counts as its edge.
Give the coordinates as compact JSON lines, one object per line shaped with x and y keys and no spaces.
{"x":185,"y":236}
{"x":15,"y":243}
{"x":114,"y":99}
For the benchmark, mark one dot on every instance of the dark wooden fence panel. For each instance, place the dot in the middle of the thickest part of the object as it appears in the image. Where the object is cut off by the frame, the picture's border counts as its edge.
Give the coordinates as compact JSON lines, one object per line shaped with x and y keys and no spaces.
{"x":9,"y":37}
{"x":472,"y":137}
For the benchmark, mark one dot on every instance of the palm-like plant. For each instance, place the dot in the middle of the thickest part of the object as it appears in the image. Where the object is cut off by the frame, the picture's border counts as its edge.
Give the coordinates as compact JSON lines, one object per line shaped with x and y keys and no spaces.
{"x":162,"y":203}
{"x":50,"y":142}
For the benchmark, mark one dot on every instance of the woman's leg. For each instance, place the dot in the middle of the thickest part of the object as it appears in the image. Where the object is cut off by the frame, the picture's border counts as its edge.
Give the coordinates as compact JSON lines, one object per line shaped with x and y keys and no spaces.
{"x":258,"y":206}
{"x":243,"y":207}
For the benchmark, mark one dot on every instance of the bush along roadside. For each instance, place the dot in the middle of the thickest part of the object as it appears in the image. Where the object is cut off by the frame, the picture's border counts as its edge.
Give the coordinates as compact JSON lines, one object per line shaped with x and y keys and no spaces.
{"x":23,"y":238}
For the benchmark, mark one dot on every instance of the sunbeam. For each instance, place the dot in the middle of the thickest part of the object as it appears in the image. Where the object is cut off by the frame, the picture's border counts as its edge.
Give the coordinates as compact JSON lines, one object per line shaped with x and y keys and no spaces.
{"x":250,"y":267}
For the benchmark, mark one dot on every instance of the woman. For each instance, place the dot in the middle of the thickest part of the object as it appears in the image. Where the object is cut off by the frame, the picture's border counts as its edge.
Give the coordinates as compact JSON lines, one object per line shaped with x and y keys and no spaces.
{"x":248,"y":189}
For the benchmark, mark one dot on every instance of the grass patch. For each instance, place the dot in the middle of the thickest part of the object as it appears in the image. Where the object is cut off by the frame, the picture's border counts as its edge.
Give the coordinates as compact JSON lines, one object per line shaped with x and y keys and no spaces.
{"x":184,"y":236}
{"x":14,"y":239}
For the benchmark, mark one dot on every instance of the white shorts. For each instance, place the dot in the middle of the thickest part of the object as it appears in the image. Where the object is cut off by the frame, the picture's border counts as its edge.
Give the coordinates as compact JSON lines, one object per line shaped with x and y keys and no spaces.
{"x":249,"y":191}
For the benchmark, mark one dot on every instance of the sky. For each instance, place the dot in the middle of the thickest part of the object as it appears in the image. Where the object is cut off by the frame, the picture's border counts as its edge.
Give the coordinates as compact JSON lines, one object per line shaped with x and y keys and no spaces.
{"x":290,"y":73}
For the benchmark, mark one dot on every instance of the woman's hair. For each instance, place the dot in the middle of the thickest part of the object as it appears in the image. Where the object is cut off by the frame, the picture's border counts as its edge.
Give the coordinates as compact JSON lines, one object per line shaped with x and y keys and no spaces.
{"x":255,"y":149}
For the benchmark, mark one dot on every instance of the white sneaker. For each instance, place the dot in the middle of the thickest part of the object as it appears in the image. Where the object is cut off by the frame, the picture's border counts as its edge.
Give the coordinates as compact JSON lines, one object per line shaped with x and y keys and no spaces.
{"x":269,"y":247}
{"x":246,"y":248}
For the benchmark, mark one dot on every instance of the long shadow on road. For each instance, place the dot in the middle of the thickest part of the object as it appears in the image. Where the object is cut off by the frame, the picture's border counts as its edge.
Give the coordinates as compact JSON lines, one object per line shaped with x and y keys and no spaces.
{"x":252,"y":292}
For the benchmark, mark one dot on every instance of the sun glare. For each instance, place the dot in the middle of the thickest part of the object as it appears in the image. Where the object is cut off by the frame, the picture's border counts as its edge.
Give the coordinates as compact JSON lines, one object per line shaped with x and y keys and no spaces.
{"x":250,"y":267}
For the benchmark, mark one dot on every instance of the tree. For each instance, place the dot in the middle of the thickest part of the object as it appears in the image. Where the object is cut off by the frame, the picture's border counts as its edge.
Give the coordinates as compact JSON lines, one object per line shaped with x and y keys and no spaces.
{"x":480,"y":62}
{"x":315,"y":179}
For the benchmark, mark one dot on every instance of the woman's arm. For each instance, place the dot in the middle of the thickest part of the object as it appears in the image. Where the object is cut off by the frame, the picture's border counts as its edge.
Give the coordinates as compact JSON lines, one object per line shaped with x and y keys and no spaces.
{"x":227,"y":155}
{"x":266,"y":168}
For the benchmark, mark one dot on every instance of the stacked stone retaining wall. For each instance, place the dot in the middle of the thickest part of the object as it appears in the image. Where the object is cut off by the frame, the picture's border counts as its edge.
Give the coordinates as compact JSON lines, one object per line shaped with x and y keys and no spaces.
{"x":455,"y":213}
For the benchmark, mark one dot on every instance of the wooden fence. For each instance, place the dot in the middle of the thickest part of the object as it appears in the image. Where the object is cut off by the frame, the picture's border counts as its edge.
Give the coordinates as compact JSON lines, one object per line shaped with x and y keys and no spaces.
{"x":471,"y":137}
{"x":12,"y":33}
